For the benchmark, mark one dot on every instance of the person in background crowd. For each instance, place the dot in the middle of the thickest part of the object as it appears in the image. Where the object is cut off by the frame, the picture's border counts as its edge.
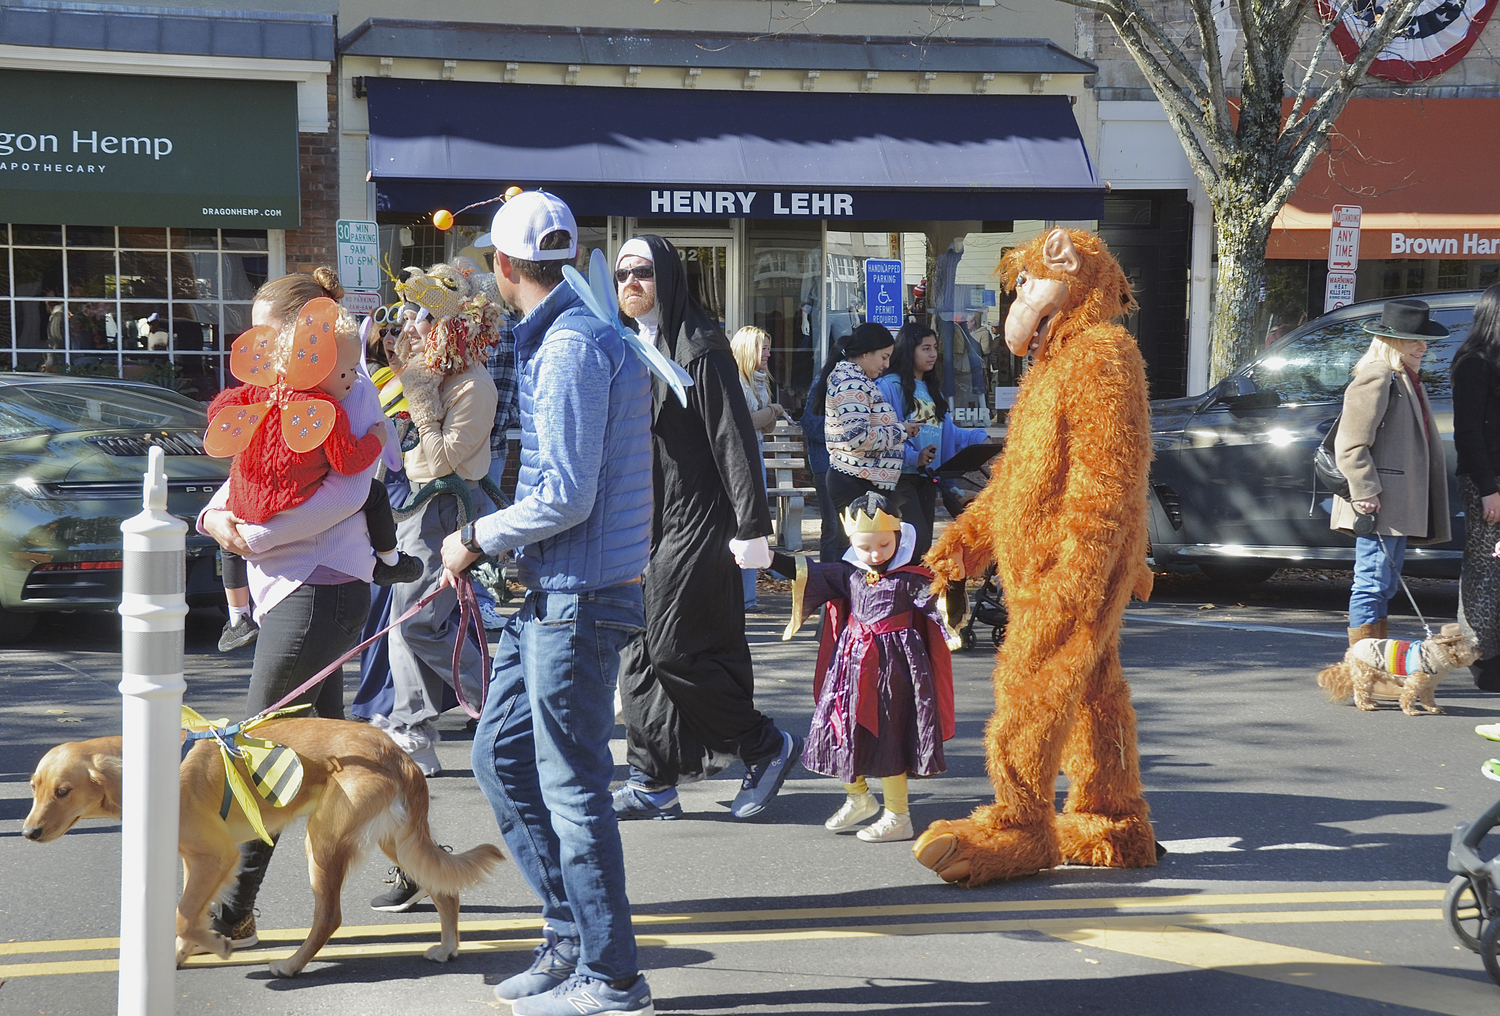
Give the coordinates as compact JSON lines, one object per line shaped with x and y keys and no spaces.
{"x":502,"y":364}
{"x":310,"y":569}
{"x":830,"y":532}
{"x":688,"y":685}
{"x":441,"y":357}
{"x":1389,"y":448}
{"x":580,"y":527}
{"x":752,"y":353}
{"x":1476,"y":438}
{"x":912,"y":386}
{"x":865,"y":441}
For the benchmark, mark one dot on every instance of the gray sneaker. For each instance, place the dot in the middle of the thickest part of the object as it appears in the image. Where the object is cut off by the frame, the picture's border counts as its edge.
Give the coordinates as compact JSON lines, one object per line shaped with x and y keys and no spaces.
{"x":236,"y":635}
{"x":553,"y":962}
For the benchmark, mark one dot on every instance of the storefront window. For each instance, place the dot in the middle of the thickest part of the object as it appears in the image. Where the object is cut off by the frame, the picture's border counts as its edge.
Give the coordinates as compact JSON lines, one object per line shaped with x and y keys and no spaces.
{"x":140,"y":303}
{"x":783,"y":295}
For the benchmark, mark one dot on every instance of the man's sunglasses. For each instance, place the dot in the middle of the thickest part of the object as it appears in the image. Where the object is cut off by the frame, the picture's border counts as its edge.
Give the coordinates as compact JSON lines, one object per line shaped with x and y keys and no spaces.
{"x":622,"y":275}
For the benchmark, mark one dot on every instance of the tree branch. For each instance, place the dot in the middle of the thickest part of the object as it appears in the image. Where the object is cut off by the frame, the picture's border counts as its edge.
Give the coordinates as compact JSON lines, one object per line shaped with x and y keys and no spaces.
{"x":1128,"y":12}
{"x":1217,"y":108}
{"x":1316,"y":124}
{"x":1295,"y":119}
{"x":1186,"y":119}
{"x":1255,"y":42}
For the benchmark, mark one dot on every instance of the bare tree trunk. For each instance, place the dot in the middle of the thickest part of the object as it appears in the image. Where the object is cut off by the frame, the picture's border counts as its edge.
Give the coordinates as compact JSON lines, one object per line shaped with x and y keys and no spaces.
{"x":1241,"y":247}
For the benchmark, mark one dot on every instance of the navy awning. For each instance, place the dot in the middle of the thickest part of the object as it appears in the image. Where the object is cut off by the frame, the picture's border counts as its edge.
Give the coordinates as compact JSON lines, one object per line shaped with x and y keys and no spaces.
{"x":656,"y":152}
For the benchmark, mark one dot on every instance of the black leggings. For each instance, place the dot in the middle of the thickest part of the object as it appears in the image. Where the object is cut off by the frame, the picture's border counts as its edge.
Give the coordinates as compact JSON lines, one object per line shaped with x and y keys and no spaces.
{"x":378,"y":517}
{"x":301,"y":635}
{"x":843,"y":490}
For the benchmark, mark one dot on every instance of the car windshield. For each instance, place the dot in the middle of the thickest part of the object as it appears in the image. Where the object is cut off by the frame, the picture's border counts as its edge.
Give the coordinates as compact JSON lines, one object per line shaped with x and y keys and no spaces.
{"x":64,"y":407}
{"x":1315,"y":365}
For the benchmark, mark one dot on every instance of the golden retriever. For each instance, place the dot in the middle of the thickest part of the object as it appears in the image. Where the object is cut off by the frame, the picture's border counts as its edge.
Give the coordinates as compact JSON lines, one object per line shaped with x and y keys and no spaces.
{"x":358,"y":787}
{"x":1365,"y":671}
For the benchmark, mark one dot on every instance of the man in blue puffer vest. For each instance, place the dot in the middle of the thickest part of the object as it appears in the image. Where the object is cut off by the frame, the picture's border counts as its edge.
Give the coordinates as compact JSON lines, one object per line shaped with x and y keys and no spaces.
{"x":580,"y":527}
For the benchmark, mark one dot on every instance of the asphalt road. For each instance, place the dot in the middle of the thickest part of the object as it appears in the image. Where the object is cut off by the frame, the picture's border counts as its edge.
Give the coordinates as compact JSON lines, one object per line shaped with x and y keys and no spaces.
{"x":1308,"y":845}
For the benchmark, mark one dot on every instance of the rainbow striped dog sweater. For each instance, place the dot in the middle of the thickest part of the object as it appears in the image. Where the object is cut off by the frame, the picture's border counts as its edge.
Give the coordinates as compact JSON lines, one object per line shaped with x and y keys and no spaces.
{"x":1396,"y":657}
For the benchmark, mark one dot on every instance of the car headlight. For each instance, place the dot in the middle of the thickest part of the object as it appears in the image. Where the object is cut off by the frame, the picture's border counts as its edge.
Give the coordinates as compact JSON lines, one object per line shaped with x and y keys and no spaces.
{"x":30,"y":487}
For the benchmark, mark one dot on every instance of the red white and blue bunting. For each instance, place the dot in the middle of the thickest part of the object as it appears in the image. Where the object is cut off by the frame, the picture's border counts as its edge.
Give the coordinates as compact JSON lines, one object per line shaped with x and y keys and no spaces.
{"x":1440,"y":35}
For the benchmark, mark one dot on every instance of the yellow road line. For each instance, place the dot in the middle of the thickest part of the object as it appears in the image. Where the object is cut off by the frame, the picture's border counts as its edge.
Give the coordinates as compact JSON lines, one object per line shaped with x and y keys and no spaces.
{"x":1305,"y":968}
{"x":814,"y":914}
{"x":1057,"y":926}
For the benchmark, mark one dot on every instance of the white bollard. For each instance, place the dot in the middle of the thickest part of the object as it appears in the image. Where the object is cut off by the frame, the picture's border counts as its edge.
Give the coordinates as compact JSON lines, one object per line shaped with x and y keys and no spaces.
{"x":153,"y":608}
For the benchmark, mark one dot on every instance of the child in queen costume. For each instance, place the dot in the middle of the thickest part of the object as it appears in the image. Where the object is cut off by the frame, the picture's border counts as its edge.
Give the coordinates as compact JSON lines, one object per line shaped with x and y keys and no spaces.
{"x":884,"y":683}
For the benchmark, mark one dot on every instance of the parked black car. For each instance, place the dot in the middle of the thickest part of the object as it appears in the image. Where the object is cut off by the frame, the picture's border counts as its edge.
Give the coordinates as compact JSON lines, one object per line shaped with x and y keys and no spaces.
{"x":1233,"y":489}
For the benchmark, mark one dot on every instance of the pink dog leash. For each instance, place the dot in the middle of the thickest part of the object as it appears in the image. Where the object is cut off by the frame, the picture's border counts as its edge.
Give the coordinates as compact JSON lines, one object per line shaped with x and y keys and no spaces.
{"x":469,"y":610}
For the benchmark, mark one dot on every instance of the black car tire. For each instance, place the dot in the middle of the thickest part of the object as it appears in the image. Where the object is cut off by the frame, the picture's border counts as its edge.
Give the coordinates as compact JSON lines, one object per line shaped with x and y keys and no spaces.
{"x":15,"y":626}
{"x":1243,"y":573}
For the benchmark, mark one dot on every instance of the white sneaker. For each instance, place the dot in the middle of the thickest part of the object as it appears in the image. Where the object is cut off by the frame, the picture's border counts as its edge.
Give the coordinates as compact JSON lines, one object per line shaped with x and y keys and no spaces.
{"x":418,"y":742}
{"x":890,"y":829}
{"x":857,"y":808}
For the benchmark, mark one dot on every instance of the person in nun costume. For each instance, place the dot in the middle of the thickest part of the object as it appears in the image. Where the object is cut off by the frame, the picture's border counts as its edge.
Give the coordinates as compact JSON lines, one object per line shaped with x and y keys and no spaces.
{"x":687,"y":684}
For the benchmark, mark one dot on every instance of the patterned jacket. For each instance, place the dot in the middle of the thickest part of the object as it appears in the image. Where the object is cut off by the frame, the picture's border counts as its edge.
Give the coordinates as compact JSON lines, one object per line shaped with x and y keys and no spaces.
{"x":864,"y":437}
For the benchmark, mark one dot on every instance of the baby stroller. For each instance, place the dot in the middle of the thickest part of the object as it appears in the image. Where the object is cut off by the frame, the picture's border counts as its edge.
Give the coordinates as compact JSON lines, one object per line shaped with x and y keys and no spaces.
{"x":1471,"y":902}
{"x":988,"y":609}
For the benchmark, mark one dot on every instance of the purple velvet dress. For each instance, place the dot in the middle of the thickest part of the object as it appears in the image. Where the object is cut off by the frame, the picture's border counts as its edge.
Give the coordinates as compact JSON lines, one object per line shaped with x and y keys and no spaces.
{"x":908,"y":734}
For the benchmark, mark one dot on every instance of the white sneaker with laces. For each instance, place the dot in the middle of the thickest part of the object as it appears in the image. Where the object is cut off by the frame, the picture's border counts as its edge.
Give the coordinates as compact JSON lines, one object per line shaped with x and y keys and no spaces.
{"x":857,"y":808}
{"x":890,"y":829}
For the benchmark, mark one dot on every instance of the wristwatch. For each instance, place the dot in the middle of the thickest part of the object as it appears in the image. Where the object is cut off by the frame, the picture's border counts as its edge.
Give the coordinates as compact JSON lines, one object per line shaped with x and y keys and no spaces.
{"x":466,"y":537}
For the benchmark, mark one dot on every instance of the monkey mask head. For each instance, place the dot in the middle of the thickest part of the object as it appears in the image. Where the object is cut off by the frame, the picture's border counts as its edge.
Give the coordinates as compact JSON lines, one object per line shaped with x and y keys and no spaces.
{"x":1063,"y":281}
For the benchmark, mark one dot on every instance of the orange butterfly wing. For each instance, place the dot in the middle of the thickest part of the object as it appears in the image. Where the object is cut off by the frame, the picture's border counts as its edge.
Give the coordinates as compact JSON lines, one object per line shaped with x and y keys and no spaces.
{"x":250,"y":356}
{"x":314,"y":344}
{"x":232,"y":428}
{"x":306,"y":423}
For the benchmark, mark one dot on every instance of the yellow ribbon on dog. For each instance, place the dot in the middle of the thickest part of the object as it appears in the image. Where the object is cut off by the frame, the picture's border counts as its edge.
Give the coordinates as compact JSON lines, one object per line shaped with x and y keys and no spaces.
{"x":275,"y":770}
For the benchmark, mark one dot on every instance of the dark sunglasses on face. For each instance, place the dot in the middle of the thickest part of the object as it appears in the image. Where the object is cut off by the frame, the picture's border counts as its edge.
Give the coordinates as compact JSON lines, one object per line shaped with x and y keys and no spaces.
{"x":622,"y":275}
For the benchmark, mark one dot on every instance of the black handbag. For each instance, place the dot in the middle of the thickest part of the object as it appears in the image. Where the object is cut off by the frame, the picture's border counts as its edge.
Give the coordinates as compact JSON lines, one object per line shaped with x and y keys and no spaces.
{"x":1326,"y":467}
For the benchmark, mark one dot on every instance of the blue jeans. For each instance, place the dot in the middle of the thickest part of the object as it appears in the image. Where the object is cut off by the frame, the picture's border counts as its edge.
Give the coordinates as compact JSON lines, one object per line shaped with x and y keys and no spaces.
{"x":541,"y":756}
{"x":1377,"y":577}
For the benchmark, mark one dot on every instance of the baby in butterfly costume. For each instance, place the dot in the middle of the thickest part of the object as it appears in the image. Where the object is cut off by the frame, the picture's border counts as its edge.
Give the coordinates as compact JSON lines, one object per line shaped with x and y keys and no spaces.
{"x":884,"y":683}
{"x":286,"y":430}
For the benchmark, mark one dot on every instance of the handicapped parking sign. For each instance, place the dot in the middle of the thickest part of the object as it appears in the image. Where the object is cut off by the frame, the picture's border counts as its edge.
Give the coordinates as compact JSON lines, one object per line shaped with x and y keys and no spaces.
{"x":883,"y":292}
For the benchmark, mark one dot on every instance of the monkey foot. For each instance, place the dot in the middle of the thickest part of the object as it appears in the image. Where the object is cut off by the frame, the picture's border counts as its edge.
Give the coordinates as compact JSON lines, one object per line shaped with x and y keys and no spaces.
{"x":1105,"y":841}
{"x":972,"y":854}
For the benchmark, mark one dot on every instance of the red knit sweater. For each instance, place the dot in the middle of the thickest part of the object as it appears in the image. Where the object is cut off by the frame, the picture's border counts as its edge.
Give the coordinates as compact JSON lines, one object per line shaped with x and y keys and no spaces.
{"x":268,"y":477}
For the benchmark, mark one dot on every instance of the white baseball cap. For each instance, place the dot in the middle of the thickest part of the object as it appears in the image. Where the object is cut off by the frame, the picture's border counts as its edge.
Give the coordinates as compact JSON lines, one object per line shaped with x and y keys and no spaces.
{"x":522,"y":222}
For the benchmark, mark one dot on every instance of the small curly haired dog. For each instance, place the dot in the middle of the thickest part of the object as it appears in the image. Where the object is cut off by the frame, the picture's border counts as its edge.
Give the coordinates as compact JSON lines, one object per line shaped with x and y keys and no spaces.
{"x":1414,"y":669}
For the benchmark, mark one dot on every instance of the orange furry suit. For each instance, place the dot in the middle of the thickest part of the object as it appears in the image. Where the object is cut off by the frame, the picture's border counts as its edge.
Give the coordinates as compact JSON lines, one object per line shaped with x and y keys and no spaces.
{"x":1064,"y":521}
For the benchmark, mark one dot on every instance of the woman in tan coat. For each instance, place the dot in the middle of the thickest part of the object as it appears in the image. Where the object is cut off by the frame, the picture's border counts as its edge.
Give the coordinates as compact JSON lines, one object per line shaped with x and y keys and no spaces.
{"x":1389,"y":448}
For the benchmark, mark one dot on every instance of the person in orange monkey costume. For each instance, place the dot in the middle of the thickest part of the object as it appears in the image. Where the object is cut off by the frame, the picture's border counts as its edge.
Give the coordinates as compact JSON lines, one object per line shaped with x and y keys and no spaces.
{"x":1064,"y":521}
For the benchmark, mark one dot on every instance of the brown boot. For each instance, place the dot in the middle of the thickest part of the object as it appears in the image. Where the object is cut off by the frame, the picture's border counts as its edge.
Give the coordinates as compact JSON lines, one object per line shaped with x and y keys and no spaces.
{"x":1364,"y":631}
{"x":1381,"y":628}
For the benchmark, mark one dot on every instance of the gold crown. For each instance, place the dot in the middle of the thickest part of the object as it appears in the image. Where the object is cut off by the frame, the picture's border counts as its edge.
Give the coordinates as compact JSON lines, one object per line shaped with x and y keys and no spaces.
{"x":858,"y":522}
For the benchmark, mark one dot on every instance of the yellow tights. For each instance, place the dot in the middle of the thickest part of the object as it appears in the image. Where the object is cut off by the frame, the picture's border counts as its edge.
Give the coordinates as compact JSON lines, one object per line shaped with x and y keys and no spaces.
{"x":893,"y":788}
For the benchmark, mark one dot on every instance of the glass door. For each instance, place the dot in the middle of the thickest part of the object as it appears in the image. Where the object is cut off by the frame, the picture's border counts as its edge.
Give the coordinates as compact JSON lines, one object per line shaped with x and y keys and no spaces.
{"x":706,"y":262}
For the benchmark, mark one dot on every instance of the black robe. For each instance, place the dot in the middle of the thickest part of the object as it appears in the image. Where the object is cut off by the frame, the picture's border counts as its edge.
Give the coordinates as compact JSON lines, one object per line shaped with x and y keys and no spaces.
{"x":687,"y":684}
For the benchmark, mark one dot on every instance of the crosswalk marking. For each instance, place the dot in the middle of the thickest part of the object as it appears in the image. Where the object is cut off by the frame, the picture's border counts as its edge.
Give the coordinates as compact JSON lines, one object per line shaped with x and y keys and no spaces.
{"x":1193,"y":900}
{"x":1058,"y":927}
{"x":1305,"y":968}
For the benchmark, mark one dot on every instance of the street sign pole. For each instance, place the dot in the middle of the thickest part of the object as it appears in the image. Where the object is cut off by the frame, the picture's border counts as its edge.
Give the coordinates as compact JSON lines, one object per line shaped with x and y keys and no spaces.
{"x":1343,"y":256}
{"x":152,"y":610}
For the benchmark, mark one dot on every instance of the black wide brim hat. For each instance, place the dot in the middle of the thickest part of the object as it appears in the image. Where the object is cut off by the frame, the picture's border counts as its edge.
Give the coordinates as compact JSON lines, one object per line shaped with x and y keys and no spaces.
{"x":1406,"y":319}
